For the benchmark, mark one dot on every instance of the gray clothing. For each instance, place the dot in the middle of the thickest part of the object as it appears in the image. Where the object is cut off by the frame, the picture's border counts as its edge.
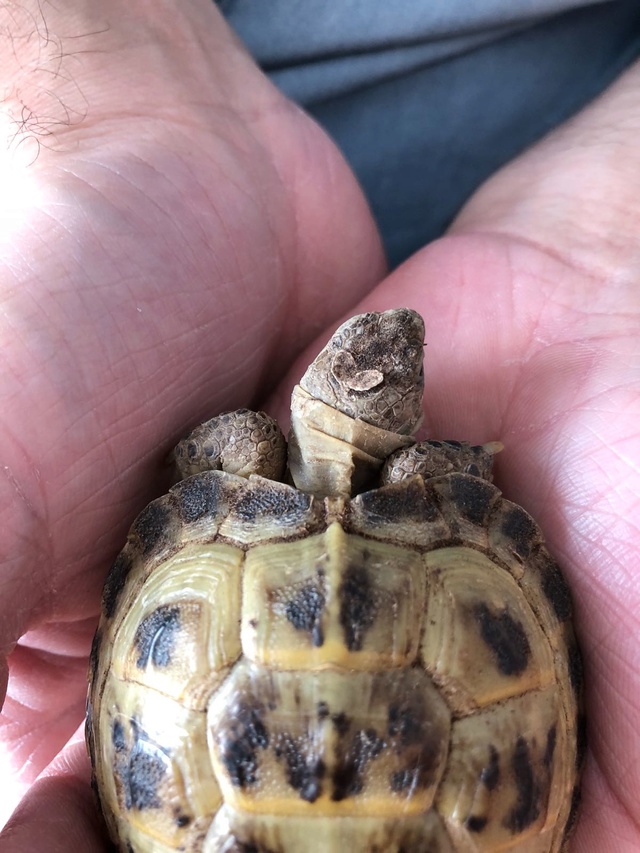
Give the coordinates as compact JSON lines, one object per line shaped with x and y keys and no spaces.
{"x":427,"y":98}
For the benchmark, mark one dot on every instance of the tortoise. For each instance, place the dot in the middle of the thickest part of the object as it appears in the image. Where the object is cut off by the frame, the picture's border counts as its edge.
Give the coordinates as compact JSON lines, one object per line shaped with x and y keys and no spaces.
{"x":358,"y":645}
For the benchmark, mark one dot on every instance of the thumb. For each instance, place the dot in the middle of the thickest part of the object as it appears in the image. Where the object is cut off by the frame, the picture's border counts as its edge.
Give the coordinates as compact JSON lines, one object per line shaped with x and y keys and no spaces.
{"x":58,"y":814}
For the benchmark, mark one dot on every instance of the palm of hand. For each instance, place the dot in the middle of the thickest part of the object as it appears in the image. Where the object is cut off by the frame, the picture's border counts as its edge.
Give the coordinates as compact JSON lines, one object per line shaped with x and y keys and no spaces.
{"x":517,"y":359}
{"x":190,"y":265}
{"x":171,"y":271}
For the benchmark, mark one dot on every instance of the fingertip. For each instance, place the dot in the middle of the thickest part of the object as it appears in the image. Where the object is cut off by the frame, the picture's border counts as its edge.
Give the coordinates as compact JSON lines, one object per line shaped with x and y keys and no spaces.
{"x":57,"y":814}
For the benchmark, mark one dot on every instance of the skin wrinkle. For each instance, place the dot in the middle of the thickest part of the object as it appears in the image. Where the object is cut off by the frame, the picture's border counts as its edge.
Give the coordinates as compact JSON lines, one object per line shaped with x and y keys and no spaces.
{"x":600,"y":663}
{"x":626,"y":794}
{"x":228,"y":234}
{"x":28,"y":711}
{"x":164,"y":215}
{"x":30,"y":750}
{"x":594,"y":768}
{"x":73,"y":818}
{"x":586,"y":459}
{"x":596,"y":643}
{"x":589,"y":535}
{"x":606,"y":624}
{"x":238,"y":279}
{"x":515,"y":239}
{"x":70,"y":638}
{"x":333,"y":168}
{"x":589,"y":251}
{"x":568,"y":324}
{"x":23,"y":489}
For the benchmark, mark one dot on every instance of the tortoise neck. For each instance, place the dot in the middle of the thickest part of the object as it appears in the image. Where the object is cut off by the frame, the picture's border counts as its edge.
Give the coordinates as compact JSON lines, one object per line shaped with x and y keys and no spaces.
{"x":332,"y":454}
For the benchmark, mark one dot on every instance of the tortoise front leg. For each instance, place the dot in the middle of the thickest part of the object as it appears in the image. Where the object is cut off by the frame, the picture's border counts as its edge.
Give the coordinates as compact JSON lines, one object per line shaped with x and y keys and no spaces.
{"x":241,"y":442}
{"x":435,"y":458}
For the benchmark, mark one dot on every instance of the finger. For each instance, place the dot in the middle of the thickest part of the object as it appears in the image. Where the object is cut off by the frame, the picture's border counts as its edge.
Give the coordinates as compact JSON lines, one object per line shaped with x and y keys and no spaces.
{"x":576,"y":193}
{"x":604,"y":824}
{"x":58,"y":813}
{"x":46,"y":697}
{"x":576,"y":198}
{"x":514,"y":353}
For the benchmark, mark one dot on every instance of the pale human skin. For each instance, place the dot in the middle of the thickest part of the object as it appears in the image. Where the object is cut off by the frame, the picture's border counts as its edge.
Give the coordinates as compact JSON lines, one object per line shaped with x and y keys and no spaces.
{"x":183,"y":234}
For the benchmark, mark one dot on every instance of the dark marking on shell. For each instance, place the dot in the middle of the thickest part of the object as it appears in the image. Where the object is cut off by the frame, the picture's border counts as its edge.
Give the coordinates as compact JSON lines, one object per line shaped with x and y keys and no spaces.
{"x":505,"y":637}
{"x":141,"y":772}
{"x":402,"y":780}
{"x":304,"y":611}
{"x":323,"y":710}
{"x":555,"y":588}
{"x":581,"y":740}
{"x":475,"y":823}
{"x":88,"y":731}
{"x":240,"y":740}
{"x":397,"y":503}
{"x":411,"y":733}
{"x":145,"y":774}
{"x":341,"y":722}
{"x":576,"y":670}
{"x":520,"y":529}
{"x":472,"y":497}
{"x":304,"y":772}
{"x":352,"y":761}
{"x":404,"y":723}
{"x":198,"y":497}
{"x":95,"y":653}
{"x":156,"y":635}
{"x":490,"y":775}
{"x":115,"y":583}
{"x":527,"y":807}
{"x":552,"y":736}
{"x":282,"y":504}
{"x":152,"y":525}
{"x":576,"y":798}
{"x":118,"y":737}
{"x":358,"y":606}
{"x":95,"y":791}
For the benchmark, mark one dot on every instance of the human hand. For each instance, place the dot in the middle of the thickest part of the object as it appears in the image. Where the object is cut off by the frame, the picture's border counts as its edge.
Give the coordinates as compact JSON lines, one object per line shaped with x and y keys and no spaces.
{"x":173,"y":232}
{"x":532,"y":325}
{"x":556,"y":236}
{"x":532,"y":311}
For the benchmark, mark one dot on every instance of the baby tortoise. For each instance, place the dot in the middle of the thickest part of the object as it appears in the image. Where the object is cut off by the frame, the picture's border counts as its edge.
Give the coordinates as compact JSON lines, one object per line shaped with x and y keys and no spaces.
{"x":379,"y":658}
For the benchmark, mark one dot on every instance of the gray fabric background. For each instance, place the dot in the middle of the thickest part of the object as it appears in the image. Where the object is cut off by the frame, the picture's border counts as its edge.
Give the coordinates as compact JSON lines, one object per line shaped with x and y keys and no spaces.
{"x":427,"y":98}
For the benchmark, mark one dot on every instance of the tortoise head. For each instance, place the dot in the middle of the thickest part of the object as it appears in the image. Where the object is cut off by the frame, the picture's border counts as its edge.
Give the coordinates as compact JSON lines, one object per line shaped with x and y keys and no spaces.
{"x":371,"y":370}
{"x":360,"y":400}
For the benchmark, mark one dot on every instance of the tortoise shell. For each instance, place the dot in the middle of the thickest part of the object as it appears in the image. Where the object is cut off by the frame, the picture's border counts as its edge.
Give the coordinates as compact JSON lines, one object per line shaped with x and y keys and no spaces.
{"x":319,"y":667}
